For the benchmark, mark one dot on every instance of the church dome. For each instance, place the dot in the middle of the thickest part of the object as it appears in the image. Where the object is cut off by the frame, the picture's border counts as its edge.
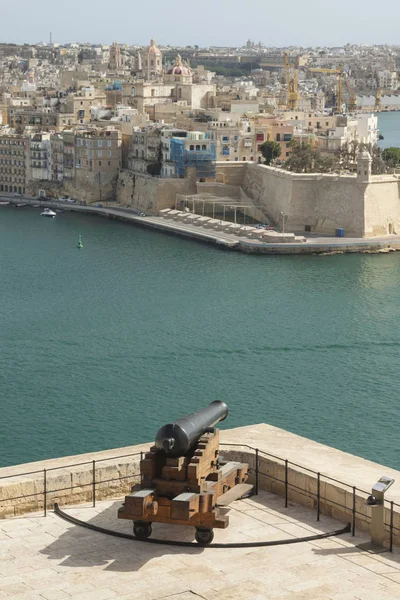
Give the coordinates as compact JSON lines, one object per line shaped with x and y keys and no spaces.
{"x":153,"y":49}
{"x":179,"y":68}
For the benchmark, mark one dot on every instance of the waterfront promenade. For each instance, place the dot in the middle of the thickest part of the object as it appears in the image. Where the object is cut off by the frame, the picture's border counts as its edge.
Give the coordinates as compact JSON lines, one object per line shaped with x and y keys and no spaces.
{"x":314,"y":244}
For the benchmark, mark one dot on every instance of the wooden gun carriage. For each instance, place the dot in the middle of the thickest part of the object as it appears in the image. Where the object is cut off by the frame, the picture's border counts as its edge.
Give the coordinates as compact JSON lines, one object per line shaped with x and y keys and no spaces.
{"x":184,"y":480}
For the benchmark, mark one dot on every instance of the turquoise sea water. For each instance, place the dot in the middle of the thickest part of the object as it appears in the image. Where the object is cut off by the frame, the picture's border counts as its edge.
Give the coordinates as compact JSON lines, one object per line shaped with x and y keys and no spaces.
{"x":101,"y":346}
{"x":389,"y":126}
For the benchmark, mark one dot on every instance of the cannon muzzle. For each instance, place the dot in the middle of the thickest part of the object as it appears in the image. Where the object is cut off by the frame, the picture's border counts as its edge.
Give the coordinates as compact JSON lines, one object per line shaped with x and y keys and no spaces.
{"x":175,"y":439}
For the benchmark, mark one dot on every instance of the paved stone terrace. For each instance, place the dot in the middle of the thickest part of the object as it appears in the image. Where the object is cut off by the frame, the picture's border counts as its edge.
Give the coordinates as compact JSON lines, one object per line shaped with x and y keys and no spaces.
{"x":46,"y":558}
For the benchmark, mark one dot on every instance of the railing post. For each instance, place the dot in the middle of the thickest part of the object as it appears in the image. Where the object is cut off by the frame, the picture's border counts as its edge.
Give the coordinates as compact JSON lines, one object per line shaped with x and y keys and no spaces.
{"x":391,"y":528}
{"x":141,"y":474}
{"x":353,"y":524}
{"x":286,"y":483}
{"x":318,"y":495}
{"x":45,"y":492}
{"x":256,"y":486}
{"x":94,"y":483}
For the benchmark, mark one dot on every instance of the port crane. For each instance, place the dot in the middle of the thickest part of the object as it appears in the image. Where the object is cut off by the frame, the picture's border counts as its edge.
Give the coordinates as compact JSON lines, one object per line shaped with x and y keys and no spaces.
{"x":352,"y":103}
{"x":337,"y":72}
{"x":378,"y":97}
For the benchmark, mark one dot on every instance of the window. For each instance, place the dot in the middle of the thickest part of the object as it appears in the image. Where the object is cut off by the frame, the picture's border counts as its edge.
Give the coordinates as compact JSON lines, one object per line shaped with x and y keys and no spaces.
{"x":152,"y":93}
{"x":191,"y":147}
{"x":109,"y":163}
{"x":204,"y":147}
{"x":99,"y":163}
{"x":260,"y":137}
{"x":278,"y":137}
{"x":100,"y":153}
{"x":99,"y":143}
{"x":225,"y":138}
{"x":109,"y":153}
{"x":152,"y":63}
{"x":198,"y":148}
{"x":109,"y":143}
{"x":287,"y":137}
{"x":287,"y":153}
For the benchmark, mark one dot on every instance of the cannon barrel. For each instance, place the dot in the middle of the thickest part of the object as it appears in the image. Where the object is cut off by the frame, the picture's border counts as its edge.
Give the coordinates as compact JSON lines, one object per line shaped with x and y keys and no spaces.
{"x":175,"y":439}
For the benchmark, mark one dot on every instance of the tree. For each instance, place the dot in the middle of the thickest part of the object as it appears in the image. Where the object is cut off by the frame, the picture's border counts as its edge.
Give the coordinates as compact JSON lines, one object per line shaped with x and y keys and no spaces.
{"x":378,"y":164}
{"x":391,"y":156}
{"x":305,"y":158}
{"x":270,"y":151}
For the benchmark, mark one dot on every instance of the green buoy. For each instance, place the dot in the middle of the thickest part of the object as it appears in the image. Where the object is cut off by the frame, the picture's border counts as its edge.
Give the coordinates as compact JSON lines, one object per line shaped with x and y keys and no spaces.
{"x":79,"y":244}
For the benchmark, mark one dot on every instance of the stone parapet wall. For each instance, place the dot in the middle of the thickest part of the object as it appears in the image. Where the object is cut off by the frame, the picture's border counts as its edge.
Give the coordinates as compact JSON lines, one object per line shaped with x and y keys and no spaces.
{"x":343,"y":480}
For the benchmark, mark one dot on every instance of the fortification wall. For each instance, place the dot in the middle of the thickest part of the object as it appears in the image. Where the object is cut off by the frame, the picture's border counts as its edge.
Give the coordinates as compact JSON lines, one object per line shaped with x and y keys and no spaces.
{"x":382,"y":206}
{"x":85,"y":186}
{"x":150,"y":194}
{"x":319,"y":202}
{"x":231,"y":173}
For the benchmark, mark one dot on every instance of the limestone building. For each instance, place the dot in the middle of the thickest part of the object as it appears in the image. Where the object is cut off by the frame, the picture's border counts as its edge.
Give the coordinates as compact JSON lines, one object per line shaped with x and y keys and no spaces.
{"x":14,"y":161}
{"x":152,"y":61}
{"x":115,"y":56}
{"x":40,"y":157}
{"x":177,"y":87}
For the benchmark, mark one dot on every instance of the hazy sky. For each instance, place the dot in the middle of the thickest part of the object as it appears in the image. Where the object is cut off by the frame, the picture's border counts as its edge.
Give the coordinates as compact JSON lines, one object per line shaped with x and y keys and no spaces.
{"x":205,"y":22}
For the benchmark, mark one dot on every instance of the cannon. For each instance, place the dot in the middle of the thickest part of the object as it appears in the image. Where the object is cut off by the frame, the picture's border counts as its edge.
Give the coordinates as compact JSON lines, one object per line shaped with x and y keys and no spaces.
{"x":176,"y":439}
{"x":184,"y":481}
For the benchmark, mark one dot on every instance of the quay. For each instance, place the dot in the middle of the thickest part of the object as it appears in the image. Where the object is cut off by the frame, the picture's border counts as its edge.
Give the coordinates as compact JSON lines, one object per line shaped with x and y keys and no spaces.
{"x":305,"y":489}
{"x":234,"y":237}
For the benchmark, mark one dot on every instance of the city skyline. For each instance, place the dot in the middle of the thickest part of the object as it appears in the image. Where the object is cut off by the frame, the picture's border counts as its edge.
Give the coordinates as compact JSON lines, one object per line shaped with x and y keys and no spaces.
{"x":225,"y":23}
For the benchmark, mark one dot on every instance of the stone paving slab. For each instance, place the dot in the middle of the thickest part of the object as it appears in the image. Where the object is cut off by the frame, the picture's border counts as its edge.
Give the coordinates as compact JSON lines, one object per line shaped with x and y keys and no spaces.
{"x":46,"y":558}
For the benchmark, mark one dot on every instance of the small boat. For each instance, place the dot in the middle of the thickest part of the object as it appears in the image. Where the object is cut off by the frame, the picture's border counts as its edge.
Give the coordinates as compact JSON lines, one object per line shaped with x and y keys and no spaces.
{"x":48,"y":213}
{"x":21,"y":205}
{"x":4,"y":203}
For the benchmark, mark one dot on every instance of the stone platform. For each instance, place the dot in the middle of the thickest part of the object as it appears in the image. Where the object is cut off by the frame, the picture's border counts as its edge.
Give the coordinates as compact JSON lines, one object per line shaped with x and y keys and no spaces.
{"x":46,"y":558}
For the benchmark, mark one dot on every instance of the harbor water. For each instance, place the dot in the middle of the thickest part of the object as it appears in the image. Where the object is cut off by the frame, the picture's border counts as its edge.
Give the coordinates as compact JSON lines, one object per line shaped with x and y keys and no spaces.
{"x":389,"y":127}
{"x":102,"y":345}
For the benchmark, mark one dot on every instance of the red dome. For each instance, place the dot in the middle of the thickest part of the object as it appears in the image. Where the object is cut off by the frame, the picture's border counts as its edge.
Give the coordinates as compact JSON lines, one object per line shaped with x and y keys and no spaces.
{"x":179,"y":68}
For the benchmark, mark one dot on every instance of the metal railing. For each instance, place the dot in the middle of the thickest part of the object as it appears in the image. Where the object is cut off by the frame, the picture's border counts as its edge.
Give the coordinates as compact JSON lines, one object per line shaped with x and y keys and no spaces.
{"x":317,"y":497}
{"x":94,"y":483}
{"x":287,"y":484}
